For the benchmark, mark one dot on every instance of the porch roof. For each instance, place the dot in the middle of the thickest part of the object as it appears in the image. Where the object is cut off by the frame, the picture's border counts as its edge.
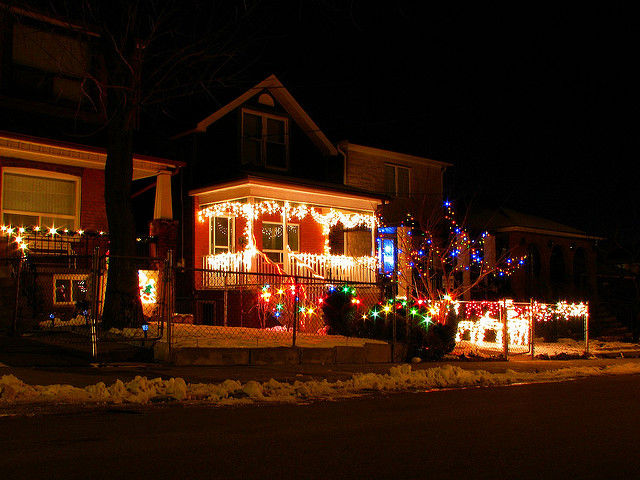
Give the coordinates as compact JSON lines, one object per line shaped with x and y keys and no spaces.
{"x":288,"y":190}
{"x":28,"y":147}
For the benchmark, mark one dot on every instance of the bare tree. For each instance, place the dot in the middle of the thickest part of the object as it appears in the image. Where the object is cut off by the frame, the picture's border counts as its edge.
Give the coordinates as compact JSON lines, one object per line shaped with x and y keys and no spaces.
{"x":149,"y":53}
{"x":444,"y":261}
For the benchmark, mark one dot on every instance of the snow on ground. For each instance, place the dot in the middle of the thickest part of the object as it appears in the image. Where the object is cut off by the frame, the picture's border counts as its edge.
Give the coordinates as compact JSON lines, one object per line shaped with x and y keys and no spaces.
{"x":186,"y":335}
{"x":564,"y":346}
{"x":141,"y":390}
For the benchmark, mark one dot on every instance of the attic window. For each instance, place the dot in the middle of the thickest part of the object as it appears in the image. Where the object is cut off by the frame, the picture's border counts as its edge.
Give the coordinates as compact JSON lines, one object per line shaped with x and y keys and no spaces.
{"x":266,"y":99}
{"x":264,"y":140}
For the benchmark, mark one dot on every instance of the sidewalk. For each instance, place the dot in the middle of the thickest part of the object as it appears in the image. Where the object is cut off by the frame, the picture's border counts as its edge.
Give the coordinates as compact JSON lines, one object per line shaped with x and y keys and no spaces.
{"x":36,"y":364}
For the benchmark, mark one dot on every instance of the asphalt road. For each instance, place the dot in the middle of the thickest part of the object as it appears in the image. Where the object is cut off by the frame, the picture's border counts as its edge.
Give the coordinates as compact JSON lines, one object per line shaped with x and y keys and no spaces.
{"x":582,"y":429}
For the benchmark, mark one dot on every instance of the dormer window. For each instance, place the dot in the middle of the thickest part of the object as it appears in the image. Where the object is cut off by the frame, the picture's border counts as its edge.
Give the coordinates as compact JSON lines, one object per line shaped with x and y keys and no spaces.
{"x":264,"y":140}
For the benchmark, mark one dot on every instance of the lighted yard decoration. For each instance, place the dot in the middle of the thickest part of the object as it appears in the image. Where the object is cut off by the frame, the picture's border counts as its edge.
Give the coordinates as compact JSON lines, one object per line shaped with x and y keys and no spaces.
{"x":147,"y":286}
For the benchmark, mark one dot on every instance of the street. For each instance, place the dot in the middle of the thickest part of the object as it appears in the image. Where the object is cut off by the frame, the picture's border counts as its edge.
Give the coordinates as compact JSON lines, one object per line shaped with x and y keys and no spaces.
{"x":580,"y":429}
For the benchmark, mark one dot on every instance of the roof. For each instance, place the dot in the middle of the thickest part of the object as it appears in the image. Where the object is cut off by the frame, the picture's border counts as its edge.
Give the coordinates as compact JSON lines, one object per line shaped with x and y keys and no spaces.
{"x":284,"y":188}
{"x":284,"y":98}
{"x":505,"y":219}
{"x":46,"y":150}
{"x":391,"y":155}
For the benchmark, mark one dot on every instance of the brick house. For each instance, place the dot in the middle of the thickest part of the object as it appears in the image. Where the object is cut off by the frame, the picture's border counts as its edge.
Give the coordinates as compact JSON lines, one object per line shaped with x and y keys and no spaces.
{"x":52,"y":202}
{"x":272,"y":194}
{"x":561,"y":260}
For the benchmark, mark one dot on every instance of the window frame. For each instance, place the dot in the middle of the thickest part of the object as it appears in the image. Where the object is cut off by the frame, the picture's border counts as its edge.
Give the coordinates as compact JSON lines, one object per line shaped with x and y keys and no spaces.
{"x":71,"y":277}
{"x":46,"y":174}
{"x":231,"y":247}
{"x":264,"y":116}
{"x":395,"y":168}
{"x":285,"y":248}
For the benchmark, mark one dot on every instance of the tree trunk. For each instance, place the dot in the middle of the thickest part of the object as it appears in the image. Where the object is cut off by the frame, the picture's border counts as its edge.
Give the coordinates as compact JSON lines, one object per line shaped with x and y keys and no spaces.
{"x":122,"y":307}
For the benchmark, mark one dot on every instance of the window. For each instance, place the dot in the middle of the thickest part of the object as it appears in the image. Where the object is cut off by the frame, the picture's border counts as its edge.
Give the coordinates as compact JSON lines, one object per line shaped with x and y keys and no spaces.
{"x":48,"y":65}
{"x":69,"y":289}
{"x":272,"y":240}
{"x":396,"y":181}
{"x":264,"y":140}
{"x":37,"y":198}
{"x":221,"y":235}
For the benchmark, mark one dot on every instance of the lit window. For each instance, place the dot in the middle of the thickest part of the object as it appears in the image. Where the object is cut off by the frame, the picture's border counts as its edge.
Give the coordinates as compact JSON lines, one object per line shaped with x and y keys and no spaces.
{"x":396,"y":181}
{"x":69,"y":289}
{"x":33,"y":200}
{"x":221,"y":235}
{"x":272,"y":240}
{"x":264,"y":140}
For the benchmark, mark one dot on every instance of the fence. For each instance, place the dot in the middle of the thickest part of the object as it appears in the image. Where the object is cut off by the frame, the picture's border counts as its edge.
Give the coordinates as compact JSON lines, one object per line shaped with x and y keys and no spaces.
{"x":507,"y":328}
{"x":60,"y":299}
{"x":244,"y":309}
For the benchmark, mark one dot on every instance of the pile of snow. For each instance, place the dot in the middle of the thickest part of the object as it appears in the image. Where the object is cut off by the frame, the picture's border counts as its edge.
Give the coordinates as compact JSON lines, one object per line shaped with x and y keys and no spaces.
{"x":141,"y":390}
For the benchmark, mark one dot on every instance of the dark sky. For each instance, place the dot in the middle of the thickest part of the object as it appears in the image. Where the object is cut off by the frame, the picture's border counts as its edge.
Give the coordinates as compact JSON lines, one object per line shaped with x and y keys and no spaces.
{"x":535,"y":106}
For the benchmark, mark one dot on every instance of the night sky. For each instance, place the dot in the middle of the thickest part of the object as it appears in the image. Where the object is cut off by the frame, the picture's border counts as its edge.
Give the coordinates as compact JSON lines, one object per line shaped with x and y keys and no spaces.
{"x":535,"y":107}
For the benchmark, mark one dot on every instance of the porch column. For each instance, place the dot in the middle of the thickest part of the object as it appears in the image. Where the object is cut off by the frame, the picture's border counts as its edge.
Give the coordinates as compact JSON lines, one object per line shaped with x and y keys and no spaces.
{"x":163,"y":209}
{"x":405,"y":278}
{"x":285,"y":242}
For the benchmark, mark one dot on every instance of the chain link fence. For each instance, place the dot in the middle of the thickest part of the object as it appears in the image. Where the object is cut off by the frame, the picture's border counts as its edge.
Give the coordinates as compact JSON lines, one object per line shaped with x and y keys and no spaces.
{"x":248,"y":309}
{"x":507,"y":328}
{"x":60,"y":299}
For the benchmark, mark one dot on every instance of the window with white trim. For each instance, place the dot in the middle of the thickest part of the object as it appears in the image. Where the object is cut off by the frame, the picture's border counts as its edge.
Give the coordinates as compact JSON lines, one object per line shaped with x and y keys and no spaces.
{"x":272,"y":240}
{"x":38,"y":198}
{"x":264,"y":140}
{"x":221,"y":235}
{"x":68,"y":289}
{"x":397,"y":181}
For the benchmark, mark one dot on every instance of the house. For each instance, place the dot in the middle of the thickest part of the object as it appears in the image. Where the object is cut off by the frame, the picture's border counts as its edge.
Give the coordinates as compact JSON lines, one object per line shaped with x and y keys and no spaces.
{"x":560,"y":263}
{"x":52,"y":206}
{"x":272,"y":195}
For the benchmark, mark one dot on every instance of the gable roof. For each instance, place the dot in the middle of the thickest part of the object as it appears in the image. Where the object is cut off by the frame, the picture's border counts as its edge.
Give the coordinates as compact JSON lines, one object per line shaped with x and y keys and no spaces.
{"x":505,"y":219}
{"x":284,"y":98}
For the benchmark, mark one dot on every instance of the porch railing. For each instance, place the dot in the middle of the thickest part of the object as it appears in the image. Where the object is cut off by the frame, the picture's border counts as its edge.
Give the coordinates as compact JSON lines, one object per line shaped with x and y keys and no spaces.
{"x":339,"y":268}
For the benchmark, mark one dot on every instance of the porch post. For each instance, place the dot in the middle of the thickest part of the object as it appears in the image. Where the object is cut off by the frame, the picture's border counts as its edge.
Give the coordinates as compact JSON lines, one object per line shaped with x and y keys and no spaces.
{"x":162,"y":208}
{"x":285,"y":240}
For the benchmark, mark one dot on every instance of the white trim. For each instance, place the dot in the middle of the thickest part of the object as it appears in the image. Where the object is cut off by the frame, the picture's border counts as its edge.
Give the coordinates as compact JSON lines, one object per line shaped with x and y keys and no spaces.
{"x":33,"y":172}
{"x":270,"y":190}
{"x":40,"y":151}
{"x":232,"y":234}
{"x":67,"y":276}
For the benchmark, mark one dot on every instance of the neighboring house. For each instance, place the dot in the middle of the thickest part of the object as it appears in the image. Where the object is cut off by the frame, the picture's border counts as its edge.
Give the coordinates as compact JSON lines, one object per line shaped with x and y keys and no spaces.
{"x":52,"y":202}
{"x":560,"y":263}
{"x":414,"y":188}
{"x":271,"y":194}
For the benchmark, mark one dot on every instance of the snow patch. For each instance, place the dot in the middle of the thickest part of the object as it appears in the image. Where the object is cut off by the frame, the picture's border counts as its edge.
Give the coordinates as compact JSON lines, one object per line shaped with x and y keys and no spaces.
{"x":142,"y":390}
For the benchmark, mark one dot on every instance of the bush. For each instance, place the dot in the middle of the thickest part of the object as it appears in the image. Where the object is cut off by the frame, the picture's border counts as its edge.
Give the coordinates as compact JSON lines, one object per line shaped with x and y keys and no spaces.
{"x":434,"y":340}
{"x":340,"y":314}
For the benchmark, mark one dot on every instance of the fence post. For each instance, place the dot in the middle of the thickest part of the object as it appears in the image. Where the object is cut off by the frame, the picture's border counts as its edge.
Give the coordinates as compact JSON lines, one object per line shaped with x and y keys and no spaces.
{"x":168,"y":301}
{"x":14,"y":323}
{"x":586,"y":331}
{"x":532,"y":329}
{"x":226,"y":302}
{"x":504,"y":317}
{"x":295,"y":309}
{"x":95,"y":267}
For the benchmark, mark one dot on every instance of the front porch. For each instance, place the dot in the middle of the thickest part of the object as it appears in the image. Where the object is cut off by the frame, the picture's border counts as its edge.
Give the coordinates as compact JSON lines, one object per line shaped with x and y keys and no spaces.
{"x":259,"y":227}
